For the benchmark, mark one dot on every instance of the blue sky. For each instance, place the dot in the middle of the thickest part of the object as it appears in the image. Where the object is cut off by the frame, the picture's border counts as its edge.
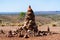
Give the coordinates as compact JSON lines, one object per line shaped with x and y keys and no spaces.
{"x":22,"y":5}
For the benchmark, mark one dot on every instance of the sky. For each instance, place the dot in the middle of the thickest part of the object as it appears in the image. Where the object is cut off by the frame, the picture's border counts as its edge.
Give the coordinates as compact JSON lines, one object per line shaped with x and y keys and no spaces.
{"x":22,"y":5}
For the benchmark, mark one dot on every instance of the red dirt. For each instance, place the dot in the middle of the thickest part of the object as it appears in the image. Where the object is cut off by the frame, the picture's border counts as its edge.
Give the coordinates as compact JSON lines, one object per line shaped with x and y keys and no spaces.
{"x":49,"y":37}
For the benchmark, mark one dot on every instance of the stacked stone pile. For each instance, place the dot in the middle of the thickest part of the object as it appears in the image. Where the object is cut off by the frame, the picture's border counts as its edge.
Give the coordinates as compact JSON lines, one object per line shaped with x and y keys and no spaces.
{"x":30,"y":20}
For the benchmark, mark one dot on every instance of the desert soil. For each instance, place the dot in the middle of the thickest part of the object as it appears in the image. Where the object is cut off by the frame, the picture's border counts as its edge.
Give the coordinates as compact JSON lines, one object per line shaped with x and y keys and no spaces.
{"x":48,"y":37}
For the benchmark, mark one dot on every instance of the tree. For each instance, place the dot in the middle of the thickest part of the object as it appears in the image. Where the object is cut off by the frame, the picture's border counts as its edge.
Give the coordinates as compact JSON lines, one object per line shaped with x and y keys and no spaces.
{"x":22,"y":15}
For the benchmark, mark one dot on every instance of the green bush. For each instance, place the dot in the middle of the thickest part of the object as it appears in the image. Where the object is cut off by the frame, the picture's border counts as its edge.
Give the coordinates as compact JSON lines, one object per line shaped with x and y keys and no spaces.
{"x":22,"y":14}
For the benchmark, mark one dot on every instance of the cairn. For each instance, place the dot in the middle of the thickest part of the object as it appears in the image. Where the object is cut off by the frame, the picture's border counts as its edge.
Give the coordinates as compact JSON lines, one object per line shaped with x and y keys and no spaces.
{"x":30,"y":21}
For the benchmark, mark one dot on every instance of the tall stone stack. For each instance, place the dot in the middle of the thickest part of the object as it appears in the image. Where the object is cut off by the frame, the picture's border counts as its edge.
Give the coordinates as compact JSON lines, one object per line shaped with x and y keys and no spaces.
{"x":30,"y":20}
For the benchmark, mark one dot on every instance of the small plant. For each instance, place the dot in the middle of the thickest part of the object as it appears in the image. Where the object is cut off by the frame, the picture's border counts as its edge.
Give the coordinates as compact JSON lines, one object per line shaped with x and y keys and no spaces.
{"x":12,"y":25}
{"x":40,"y":25}
{"x":54,"y":25}
{"x":2,"y":25}
{"x":20,"y":24}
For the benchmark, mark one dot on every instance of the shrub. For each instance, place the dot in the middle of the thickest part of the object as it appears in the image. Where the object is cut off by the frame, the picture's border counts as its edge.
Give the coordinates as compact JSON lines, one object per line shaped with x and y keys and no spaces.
{"x":2,"y":25}
{"x":54,"y":25}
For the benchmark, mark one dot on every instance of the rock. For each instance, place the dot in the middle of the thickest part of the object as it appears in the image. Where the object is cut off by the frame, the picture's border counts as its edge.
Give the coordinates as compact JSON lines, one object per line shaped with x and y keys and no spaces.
{"x":26,"y":36}
{"x":10,"y":34}
{"x":2,"y":32}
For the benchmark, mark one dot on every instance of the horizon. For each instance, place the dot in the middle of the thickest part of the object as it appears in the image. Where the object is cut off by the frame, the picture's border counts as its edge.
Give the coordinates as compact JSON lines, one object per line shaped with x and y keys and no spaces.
{"x":36,"y":12}
{"x":40,"y":11}
{"x":22,"y":5}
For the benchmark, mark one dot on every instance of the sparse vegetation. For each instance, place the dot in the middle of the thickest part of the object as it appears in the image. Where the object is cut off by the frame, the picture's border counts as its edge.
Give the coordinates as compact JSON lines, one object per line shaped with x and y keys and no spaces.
{"x":42,"y":18}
